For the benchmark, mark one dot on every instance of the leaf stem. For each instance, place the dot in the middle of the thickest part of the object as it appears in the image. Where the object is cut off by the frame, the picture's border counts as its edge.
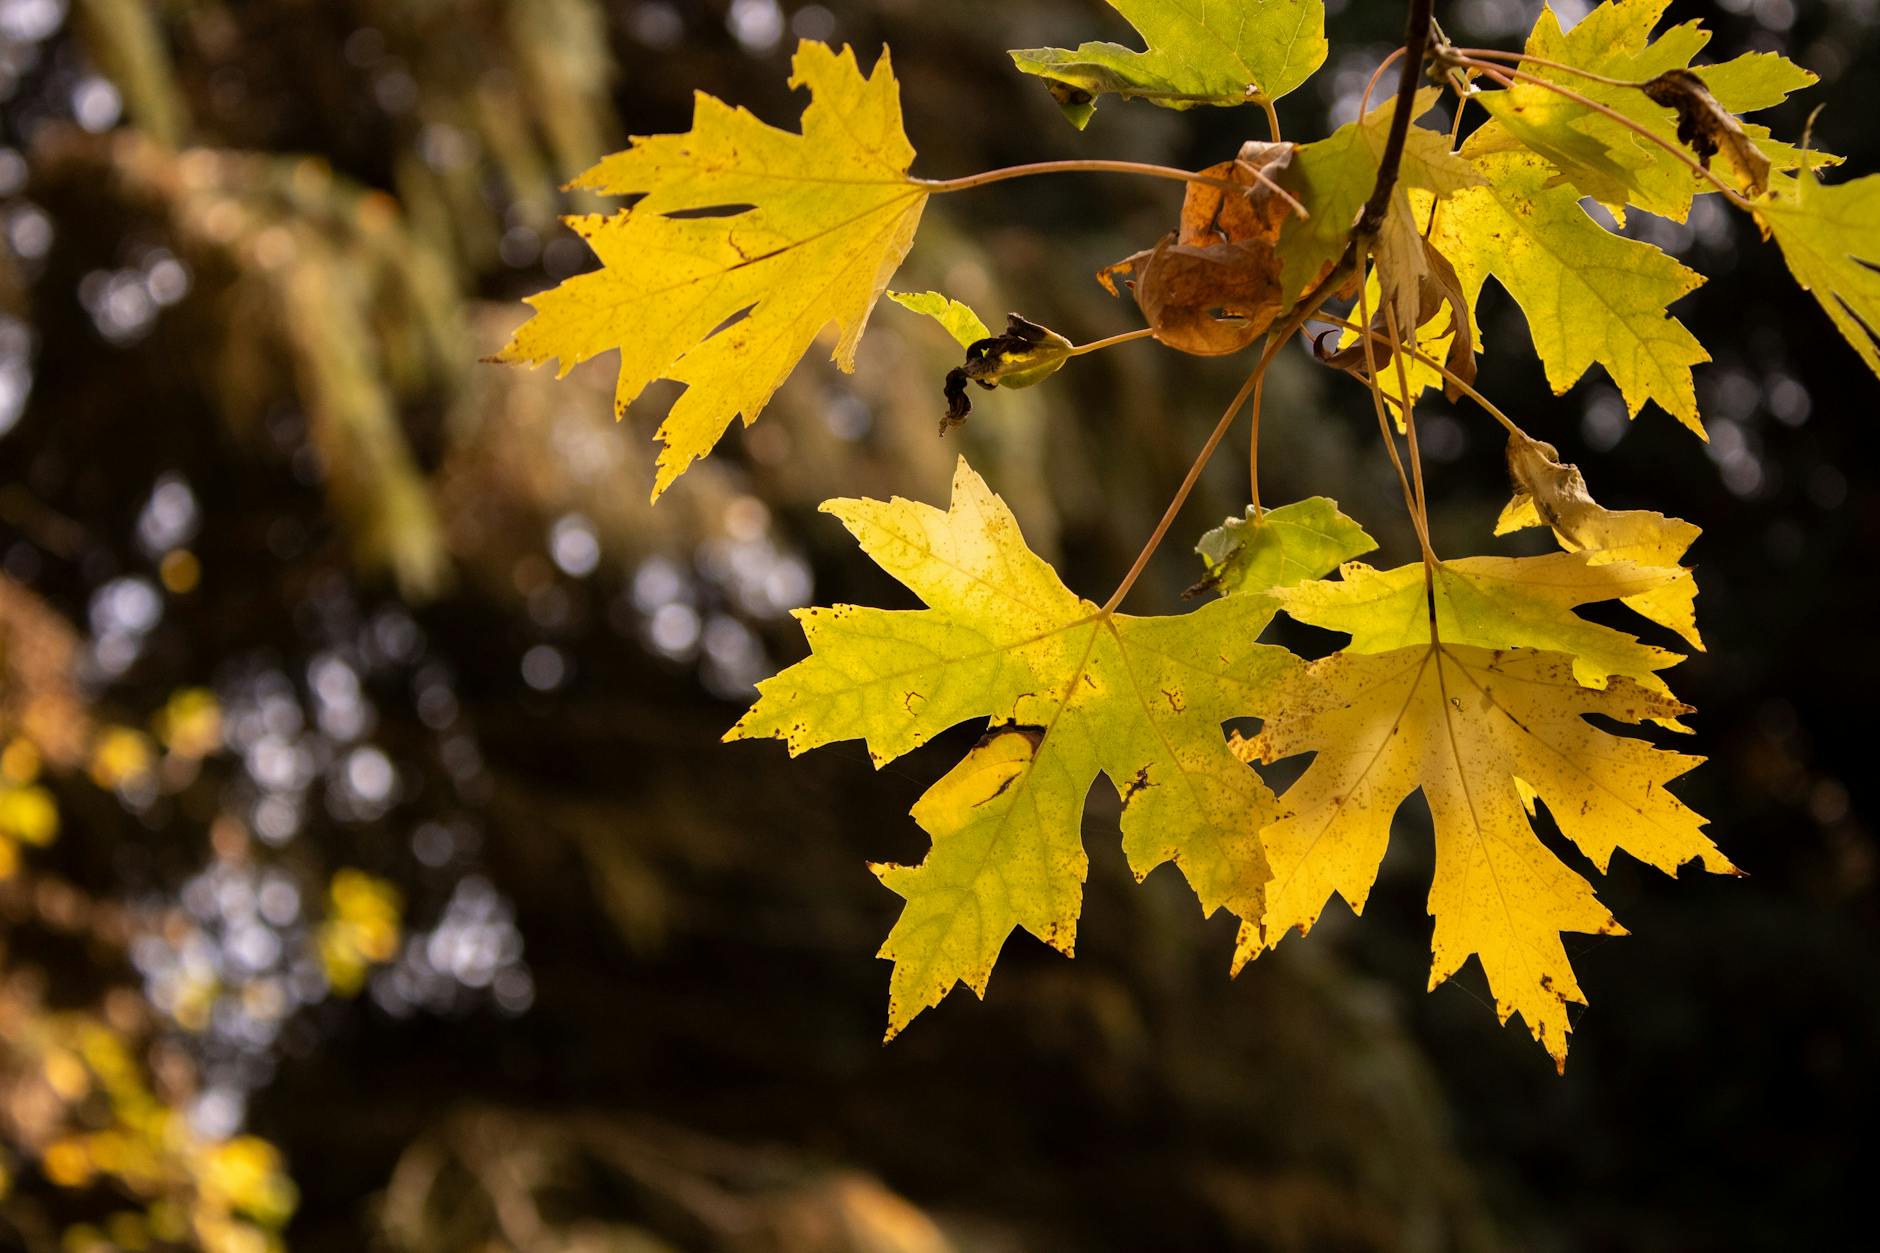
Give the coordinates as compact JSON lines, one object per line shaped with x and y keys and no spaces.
{"x":1383,"y":427}
{"x":1253,"y":450}
{"x":1275,"y":340}
{"x":1272,"y":119}
{"x":1460,"y":384}
{"x":1079,"y":166}
{"x":1528,"y":58}
{"x":1095,"y":345}
{"x":1407,"y":407}
{"x":1188,"y":483}
{"x":1416,"y":467}
{"x":1370,"y":84}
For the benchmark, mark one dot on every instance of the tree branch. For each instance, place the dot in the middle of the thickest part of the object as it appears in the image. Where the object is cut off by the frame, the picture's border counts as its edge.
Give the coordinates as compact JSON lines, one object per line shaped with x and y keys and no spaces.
{"x":1416,"y":44}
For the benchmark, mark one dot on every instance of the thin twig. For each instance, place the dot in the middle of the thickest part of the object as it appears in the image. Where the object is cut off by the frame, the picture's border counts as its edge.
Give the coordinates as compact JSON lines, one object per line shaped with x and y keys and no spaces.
{"x":1462,"y":385}
{"x":1095,"y":345}
{"x":1416,"y":42}
{"x":1146,"y":170}
{"x":1383,"y":427}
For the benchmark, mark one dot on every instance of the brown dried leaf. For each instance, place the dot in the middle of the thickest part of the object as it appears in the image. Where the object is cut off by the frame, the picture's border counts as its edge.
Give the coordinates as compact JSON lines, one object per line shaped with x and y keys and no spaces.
{"x":1707,"y":128}
{"x":1211,"y":214}
{"x":1209,"y":301}
{"x":1213,"y":286}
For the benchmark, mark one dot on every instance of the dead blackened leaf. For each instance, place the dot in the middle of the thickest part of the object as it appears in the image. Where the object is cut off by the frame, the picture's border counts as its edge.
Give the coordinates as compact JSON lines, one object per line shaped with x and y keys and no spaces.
{"x":1707,"y":128}
{"x":1025,"y":354}
{"x":1212,"y":287}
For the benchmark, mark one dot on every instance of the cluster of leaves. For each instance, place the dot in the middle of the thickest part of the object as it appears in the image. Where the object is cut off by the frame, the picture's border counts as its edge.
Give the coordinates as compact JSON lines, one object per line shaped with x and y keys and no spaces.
{"x":1471,"y":680}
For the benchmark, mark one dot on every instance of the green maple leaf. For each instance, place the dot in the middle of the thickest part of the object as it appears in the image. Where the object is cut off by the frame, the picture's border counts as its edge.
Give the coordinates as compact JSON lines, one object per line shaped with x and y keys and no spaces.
{"x":1279,"y":547}
{"x":1071,"y":692}
{"x":956,"y":318}
{"x":1199,"y":52}
{"x":806,"y":230}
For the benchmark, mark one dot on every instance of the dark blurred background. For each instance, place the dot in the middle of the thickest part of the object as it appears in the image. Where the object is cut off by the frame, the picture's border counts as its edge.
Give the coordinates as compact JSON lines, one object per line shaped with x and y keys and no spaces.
{"x":370,"y":872}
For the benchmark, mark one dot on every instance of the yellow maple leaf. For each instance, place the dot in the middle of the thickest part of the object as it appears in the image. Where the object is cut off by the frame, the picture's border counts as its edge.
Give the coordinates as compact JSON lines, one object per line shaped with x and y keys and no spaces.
{"x":1482,"y":733}
{"x":1072,"y":691}
{"x":1830,"y":238}
{"x":791,"y":231}
{"x":1590,"y":296}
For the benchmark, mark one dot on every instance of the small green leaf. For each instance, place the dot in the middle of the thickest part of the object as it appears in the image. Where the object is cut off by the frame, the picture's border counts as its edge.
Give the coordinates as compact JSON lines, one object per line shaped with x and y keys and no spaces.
{"x":958,"y":319}
{"x":1334,"y":178}
{"x":1307,"y":539}
{"x":1198,"y":53}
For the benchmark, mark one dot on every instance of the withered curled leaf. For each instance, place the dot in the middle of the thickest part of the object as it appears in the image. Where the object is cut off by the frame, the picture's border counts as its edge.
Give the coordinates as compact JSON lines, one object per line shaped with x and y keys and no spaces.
{"x":1025,"y":354}
{"x":1212,"y":287}
{"x":1438,"y":287}
{"x":1707,"y":128}
{"x":1552,"y":493}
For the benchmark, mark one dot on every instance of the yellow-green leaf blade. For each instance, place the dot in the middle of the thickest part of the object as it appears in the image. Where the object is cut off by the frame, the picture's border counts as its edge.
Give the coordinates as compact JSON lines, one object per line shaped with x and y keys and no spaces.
{"x":1478,"y":732}
{"x":1071,"y":693}
{"x":1830,"y":238}
{"x":1590,"y":296}
{"x":1002,"y":857}
{"x":1550,"y":493}
{"x":1492,"y":602}
{"x":1602,"y":156}
{"x":1198,"y":52}
{"x":1306,"y":539}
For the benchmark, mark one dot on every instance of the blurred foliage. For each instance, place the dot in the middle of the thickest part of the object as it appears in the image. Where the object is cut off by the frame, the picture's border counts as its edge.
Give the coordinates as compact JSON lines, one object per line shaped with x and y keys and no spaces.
{"x":371,"y":715}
